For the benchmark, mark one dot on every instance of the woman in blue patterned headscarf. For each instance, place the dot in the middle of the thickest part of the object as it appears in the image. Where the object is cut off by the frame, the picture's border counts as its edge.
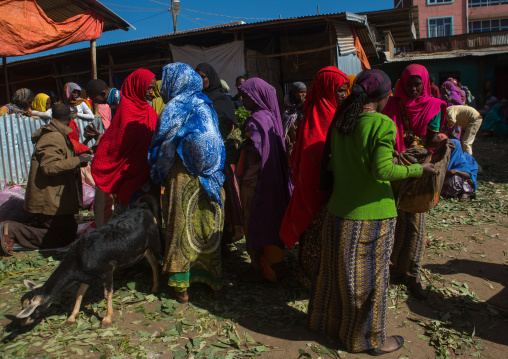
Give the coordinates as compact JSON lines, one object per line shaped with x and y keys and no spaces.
{"x":187,"y":157}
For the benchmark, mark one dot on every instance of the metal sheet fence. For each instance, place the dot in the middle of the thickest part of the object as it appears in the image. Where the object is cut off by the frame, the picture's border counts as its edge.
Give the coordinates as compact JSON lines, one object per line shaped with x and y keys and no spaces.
{"x":16,"y":145}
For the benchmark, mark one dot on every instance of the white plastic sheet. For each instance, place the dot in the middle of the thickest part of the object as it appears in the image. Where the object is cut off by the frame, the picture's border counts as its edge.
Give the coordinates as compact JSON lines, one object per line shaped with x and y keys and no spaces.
{"x":227,"y":59}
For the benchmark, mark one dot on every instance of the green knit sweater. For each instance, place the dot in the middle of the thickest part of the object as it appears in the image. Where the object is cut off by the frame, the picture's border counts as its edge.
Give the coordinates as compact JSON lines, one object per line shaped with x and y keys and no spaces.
{"x":362,"y":168}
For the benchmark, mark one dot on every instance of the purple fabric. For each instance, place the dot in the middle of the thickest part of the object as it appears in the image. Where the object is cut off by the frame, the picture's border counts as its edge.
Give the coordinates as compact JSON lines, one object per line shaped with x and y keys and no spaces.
{"x":272,"y":192}
{"x":453,"y":92}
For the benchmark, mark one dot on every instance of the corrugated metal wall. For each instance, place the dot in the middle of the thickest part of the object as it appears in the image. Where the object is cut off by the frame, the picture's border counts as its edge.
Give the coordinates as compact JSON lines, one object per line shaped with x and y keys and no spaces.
{"x":16,"y":145}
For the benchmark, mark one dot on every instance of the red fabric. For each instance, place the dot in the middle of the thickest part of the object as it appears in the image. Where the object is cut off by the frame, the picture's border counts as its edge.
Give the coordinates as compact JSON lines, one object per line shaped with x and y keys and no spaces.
{"x":435,"y":91}
{"x":307,"y":200}
{"x":359,"y":50}
{"x":120,"y":165}
{"x":420,"y":111}
{"x":74,"y":137}
{"x":26,"y":29}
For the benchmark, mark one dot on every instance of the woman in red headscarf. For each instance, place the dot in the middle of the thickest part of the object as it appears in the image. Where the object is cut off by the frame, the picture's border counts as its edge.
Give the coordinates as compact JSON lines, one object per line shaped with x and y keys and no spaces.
{"x":418,"y":117}
{"x":301,"y":221}
{"x":120,"y":165}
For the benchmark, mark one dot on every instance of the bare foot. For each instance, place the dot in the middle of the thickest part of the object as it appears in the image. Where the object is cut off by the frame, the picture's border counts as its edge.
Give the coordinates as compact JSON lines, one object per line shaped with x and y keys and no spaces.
{"x":390,"y":345}
{"x":181,"y":297}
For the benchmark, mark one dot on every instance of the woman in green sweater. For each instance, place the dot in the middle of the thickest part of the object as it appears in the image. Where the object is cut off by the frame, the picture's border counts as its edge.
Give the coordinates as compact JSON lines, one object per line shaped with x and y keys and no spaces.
{"x":349,"y":293}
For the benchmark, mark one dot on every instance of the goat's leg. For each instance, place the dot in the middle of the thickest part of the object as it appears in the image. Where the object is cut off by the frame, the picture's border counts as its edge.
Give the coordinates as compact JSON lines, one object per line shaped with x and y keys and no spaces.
{"x":79,"y":297}
{"x":108,"y":294}
{"x":155,"y":269}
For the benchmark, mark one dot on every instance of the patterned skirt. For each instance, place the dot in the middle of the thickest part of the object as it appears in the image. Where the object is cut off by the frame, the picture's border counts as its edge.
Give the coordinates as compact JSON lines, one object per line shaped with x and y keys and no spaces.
{"x":409,"y":245}
{"x":194,"y":227}
{"x":350,"y":291}
{"x":309,"y":250}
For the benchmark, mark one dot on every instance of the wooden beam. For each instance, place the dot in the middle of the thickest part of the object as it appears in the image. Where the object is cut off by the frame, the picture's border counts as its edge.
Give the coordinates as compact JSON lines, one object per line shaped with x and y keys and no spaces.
{"x":291,"y":53}
{"x":110,"y":69}
{"x":6,"y":79}
{"x":93,"y":54}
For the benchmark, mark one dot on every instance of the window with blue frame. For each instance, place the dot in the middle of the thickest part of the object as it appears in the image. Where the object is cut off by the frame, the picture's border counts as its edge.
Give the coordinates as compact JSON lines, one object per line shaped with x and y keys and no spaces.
{"x":440,"y":26}
{"x":439,"y":2}
{"x":477,"y":3}
{"x":488,"y":25}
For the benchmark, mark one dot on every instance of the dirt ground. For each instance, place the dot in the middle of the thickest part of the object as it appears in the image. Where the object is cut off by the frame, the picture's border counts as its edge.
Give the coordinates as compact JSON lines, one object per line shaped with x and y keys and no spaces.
{"x":465,"y":271}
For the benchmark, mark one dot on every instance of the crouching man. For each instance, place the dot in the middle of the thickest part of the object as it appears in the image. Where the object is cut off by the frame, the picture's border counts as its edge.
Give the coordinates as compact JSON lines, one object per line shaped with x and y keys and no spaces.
{"x":53,"y":190}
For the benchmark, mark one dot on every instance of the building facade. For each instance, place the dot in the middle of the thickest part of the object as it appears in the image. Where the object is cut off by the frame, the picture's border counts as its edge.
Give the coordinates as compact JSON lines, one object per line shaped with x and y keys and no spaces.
{"x":455,"y":17}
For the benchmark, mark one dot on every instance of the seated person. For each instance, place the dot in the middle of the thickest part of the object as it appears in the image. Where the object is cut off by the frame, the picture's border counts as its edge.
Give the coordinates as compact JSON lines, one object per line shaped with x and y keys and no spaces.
{"x":467,"y":118}
{"x":460,"y":180}
{"x":496,"y":121}
{"x":53,"y":190}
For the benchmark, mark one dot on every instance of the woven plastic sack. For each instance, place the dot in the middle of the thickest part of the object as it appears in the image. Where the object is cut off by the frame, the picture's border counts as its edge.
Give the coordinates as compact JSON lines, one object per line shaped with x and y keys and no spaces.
{"x":419,"y":195}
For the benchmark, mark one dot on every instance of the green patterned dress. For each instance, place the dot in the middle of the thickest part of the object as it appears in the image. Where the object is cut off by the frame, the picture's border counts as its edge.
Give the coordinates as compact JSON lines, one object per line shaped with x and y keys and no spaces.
{"x":194,"y":226}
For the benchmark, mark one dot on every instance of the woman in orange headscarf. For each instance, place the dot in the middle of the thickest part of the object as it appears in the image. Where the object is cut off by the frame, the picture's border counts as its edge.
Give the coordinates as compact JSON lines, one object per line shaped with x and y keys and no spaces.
{"x":301,"y":221}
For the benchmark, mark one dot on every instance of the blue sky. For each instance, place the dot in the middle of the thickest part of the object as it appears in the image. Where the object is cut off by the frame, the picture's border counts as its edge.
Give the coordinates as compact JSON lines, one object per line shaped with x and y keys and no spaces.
{"x":151,"y":17}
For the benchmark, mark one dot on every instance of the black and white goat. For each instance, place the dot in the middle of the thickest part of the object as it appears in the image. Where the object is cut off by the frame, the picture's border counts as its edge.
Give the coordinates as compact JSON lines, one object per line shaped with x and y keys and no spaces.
{"x":119,"y":244}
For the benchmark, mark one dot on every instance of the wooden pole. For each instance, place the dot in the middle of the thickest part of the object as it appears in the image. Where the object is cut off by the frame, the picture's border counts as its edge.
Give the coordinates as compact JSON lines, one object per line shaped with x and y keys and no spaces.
{"x":110,"y":69}
{"x":93,"y":54}
{"x":6,"y":79}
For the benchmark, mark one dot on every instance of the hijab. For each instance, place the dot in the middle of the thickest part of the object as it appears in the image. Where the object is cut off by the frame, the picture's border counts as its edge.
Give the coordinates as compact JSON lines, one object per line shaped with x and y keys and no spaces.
{"x":419,"y":111}
{"x":351,"y":82}
{"x":39,"y":102}
{"x":272,"y":193}
{"x":120,"y":164}
{"x":462,"y":161}
{"x":222,"y":103}
{"x":320,"y":106}
{"x":454,"y":92}
{"x":69,"y":88}
{"x":187,"y":126}
{"x":157,"y":103}
{"x":19,"y":99}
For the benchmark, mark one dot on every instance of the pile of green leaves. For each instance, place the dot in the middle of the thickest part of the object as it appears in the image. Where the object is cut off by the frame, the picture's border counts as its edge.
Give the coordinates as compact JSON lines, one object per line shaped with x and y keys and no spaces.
{"x":241,"y":115}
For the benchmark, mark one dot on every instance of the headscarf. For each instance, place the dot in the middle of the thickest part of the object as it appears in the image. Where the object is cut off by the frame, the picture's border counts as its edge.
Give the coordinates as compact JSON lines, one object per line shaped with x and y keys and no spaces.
{"x":454,"y":92}
{"x":351,"y":82}
{"x":420,"y":111}
{"x":39,"y":102}
{"x":69,"y":88}
{"x":307,"y":200}
{"x":320,"y":106}
{"x":157,"y":103}
{"x":462,"y":161}
{"x":292,"y":110}
{"x":187,"y":126}
{"x":272,"y":192}
{"x":19,"y":99}
{"x":374,"y":83}
{"x":298,"y":86}
{"x":222,"y":103}
{"x":120,"y":165}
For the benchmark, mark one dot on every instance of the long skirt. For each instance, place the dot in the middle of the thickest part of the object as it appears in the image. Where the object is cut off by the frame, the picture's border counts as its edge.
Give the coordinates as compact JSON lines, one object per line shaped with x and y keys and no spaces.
{"x":409,"y":245}
{"x":350,"y":291}
{"x":455,"y":186}
{"x":194,"y":227}
{"x":309,"y":250}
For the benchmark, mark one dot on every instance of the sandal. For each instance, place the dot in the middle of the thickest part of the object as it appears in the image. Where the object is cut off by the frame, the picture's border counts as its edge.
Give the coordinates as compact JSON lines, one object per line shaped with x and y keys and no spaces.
{"x":6,"y":243}
{"x":181,"y":297}
{"x":377,"y":352}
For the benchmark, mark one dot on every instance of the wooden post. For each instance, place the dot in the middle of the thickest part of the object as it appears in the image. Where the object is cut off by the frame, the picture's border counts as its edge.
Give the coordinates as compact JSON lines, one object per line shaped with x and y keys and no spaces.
{"x":110,"y":69}
{"x":6,"y":79}
{"x":93,"y":54}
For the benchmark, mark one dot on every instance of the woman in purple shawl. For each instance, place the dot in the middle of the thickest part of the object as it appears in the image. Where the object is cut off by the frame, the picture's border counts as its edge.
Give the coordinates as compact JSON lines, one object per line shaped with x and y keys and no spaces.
{"x":451,"y":94}
{"x":264,"y":186}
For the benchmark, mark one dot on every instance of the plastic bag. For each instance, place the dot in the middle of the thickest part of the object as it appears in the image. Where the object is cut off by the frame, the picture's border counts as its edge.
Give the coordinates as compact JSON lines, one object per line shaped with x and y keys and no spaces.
{"x":88,"y":196}
{"x":11,"y":205}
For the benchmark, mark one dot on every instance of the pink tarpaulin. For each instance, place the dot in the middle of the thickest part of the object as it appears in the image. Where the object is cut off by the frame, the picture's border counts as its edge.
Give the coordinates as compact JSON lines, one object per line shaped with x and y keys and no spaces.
{"x":26,"y":29}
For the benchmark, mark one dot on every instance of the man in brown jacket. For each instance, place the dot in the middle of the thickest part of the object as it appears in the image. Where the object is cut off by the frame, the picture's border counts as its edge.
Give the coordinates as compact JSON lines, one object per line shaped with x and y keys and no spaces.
{"x":53,"y":190}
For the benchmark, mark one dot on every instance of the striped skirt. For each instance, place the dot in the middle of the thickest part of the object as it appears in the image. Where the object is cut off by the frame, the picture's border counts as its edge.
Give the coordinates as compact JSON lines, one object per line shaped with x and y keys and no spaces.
{"x":409,"y":245}
{"x":349,"y":293}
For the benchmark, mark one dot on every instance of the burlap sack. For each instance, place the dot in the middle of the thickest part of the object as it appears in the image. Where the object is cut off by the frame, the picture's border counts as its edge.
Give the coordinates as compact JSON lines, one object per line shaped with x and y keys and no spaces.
{"x":419,"y":195}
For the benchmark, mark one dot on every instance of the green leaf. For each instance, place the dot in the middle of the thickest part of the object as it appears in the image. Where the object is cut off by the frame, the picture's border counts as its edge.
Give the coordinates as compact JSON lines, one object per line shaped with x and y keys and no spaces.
{"x":179,"y":354}
{"x":249,"y":339}
{"x":131,"y":285}
{"x":423,"y":337}
{"x":304,"y":354}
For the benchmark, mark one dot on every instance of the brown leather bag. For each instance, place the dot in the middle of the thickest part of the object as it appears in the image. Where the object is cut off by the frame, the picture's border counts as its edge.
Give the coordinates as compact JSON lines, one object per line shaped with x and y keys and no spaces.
{"x":419,"y":195}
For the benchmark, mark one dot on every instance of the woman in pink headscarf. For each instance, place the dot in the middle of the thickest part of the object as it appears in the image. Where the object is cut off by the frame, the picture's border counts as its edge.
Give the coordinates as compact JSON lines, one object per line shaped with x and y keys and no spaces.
{"x":418,"y":117}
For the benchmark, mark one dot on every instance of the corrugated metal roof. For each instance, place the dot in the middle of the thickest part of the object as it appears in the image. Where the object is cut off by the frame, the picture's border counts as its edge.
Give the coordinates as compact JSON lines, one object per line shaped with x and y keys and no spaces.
{"x":345,"y":38}
{"x":60,"y":10}
{"x":16,"y":145}
{"x":420,"y":56}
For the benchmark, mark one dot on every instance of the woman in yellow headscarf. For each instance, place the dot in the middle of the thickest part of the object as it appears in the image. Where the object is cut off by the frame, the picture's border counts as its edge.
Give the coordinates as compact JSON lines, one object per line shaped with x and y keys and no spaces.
{"x":41,"y":103}
{"x":351,"y":82}
{"x":157,"y":103}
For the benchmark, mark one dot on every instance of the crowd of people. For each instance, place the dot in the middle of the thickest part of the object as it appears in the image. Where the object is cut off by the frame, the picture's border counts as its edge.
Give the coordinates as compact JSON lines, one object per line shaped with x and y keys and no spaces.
{"x":316,"y":172}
